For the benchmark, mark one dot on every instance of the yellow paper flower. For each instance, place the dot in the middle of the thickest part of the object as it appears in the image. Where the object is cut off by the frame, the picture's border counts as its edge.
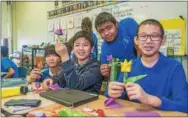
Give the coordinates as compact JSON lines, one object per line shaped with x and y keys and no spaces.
{"x":126,"y":66}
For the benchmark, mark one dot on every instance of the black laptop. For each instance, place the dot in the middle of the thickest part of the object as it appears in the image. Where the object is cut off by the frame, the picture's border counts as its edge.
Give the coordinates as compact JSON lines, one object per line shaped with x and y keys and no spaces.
{"x":69,"y":97}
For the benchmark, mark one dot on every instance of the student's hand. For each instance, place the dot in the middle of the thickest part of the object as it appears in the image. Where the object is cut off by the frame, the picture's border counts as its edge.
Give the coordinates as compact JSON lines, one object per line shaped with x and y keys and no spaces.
{"x":105,"y":70}
{"x":135,"y":91}
{"x":115,"y":89}
{"x":9,"y":73}
{"x":34,"y":75}
{"x":62,"y":51}
{"x":47,"y":83}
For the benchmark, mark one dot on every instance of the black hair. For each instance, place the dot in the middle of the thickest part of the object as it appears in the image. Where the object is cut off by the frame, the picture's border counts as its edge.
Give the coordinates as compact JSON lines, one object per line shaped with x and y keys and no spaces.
{"x":81,"y":34}
{"x":87,"y":25}
{"x":50,"y":49}
{"x":153,"y":22}
{"x":104,"y":17}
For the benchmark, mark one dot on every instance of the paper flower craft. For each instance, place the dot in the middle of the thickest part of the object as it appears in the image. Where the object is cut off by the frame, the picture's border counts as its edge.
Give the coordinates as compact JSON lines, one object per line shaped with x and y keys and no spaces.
{"x":126,"y":67}
{"x":37,"y":85}
{"x":59,"y":32}
{"x":113,"y":63}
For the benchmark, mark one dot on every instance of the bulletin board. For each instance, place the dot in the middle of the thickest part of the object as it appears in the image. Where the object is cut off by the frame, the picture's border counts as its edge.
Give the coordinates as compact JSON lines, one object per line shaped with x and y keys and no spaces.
{"x":70,"y":15}
{"x":175,"y":36}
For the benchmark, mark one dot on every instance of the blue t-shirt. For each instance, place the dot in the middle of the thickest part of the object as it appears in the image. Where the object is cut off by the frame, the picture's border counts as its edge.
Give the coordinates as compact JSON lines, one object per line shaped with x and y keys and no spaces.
{"x":45,"y":75}
{"x":6,"y":63}
{"x":166,"y":80}
{"x":123,"y":46}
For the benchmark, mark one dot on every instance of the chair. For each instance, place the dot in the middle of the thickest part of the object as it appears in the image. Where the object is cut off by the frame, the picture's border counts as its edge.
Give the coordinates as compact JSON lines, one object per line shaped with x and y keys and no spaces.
{"x":22,"y":72}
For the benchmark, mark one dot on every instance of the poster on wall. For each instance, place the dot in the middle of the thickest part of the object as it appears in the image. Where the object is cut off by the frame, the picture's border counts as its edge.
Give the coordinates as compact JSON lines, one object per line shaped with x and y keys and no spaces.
{"x":175,"y":36}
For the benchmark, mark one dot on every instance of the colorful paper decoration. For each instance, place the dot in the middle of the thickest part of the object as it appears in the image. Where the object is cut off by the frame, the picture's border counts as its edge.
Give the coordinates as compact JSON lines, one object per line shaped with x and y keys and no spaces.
{"x":113,"y":63}
{"x":126,"y":67}
{"x":111,"y":103}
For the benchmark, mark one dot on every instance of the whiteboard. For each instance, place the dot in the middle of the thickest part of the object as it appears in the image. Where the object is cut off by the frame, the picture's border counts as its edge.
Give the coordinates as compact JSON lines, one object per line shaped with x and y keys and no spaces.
{"x":137,"y":10}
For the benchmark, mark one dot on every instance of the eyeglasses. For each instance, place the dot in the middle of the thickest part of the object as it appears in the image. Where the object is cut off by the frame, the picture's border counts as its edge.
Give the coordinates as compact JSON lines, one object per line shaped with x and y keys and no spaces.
{"x":153,"y":37}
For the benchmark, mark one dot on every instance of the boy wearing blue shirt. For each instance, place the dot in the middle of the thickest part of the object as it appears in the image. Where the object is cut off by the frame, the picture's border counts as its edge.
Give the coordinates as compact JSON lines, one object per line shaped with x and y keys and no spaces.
{"x":118,"y":39}
{"x":53,"y":61}
{"x":165,"y":86}
{"x":8,"y":65}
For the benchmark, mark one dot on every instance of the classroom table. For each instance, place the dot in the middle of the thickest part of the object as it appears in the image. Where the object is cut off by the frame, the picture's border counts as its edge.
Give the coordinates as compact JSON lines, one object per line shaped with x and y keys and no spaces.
{"x":127,"y":105}
{"x":11,"y":82}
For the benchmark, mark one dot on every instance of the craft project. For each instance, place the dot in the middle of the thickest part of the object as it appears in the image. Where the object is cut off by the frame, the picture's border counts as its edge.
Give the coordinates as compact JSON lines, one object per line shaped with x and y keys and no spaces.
{"x":37,"y":87}
{"x":55,"y":87}
{"x":111,"y":103}
{"x":69,"y":112}
{"x":113,"y":63}
{"x":43,"y":70}
{"x":126,"y":67}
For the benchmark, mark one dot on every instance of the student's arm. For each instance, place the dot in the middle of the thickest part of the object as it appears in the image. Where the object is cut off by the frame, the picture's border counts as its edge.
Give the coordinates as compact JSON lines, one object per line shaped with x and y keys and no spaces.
{"x":179,"y":93}
{"x":103,"y":55}
{"x":177,"y":99}
{"x":85,"y":80}
{"x":131,"y":27}
{"x":7,"y":65}
{"x":10,"y":73}
{"x":59,"y":77}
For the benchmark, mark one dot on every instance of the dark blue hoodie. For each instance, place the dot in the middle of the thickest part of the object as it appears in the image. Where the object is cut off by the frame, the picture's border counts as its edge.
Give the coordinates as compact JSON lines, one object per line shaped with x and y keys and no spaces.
{"x":86,"y":77}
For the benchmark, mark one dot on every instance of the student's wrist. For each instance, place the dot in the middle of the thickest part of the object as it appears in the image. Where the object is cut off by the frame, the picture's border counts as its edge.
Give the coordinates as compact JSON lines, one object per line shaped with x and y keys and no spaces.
{"x":154,"y":101}
{"x":65,"y":58}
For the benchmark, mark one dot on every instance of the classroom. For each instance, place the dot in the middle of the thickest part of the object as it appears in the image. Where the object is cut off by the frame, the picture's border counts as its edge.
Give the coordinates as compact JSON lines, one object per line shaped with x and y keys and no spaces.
{"x":94,"y":58}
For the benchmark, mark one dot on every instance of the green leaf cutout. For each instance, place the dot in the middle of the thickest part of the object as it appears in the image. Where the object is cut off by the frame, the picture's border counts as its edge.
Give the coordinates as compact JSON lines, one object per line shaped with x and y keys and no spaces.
{"x":43,"y":70}
{"x":59,"y":38}
{"x":134,"y":79}
{"x":62,"y":113}
{"x":125,"y":78}
{"x":114,"y":70}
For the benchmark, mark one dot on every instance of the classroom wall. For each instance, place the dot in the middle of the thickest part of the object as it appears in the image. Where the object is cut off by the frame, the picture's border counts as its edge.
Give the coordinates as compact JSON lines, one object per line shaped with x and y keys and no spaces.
{"x":4,"y":19}
{"x":30,"y":22}
{"x":6,"y":24}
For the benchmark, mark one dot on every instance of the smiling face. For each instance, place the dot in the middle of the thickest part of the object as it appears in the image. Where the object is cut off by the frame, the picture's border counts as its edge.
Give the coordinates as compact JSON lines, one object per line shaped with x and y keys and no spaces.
{"x":149,"y":39}
{"x":108,"y":31}
{"x":53,"y":60}
{"x":82,"y":49}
